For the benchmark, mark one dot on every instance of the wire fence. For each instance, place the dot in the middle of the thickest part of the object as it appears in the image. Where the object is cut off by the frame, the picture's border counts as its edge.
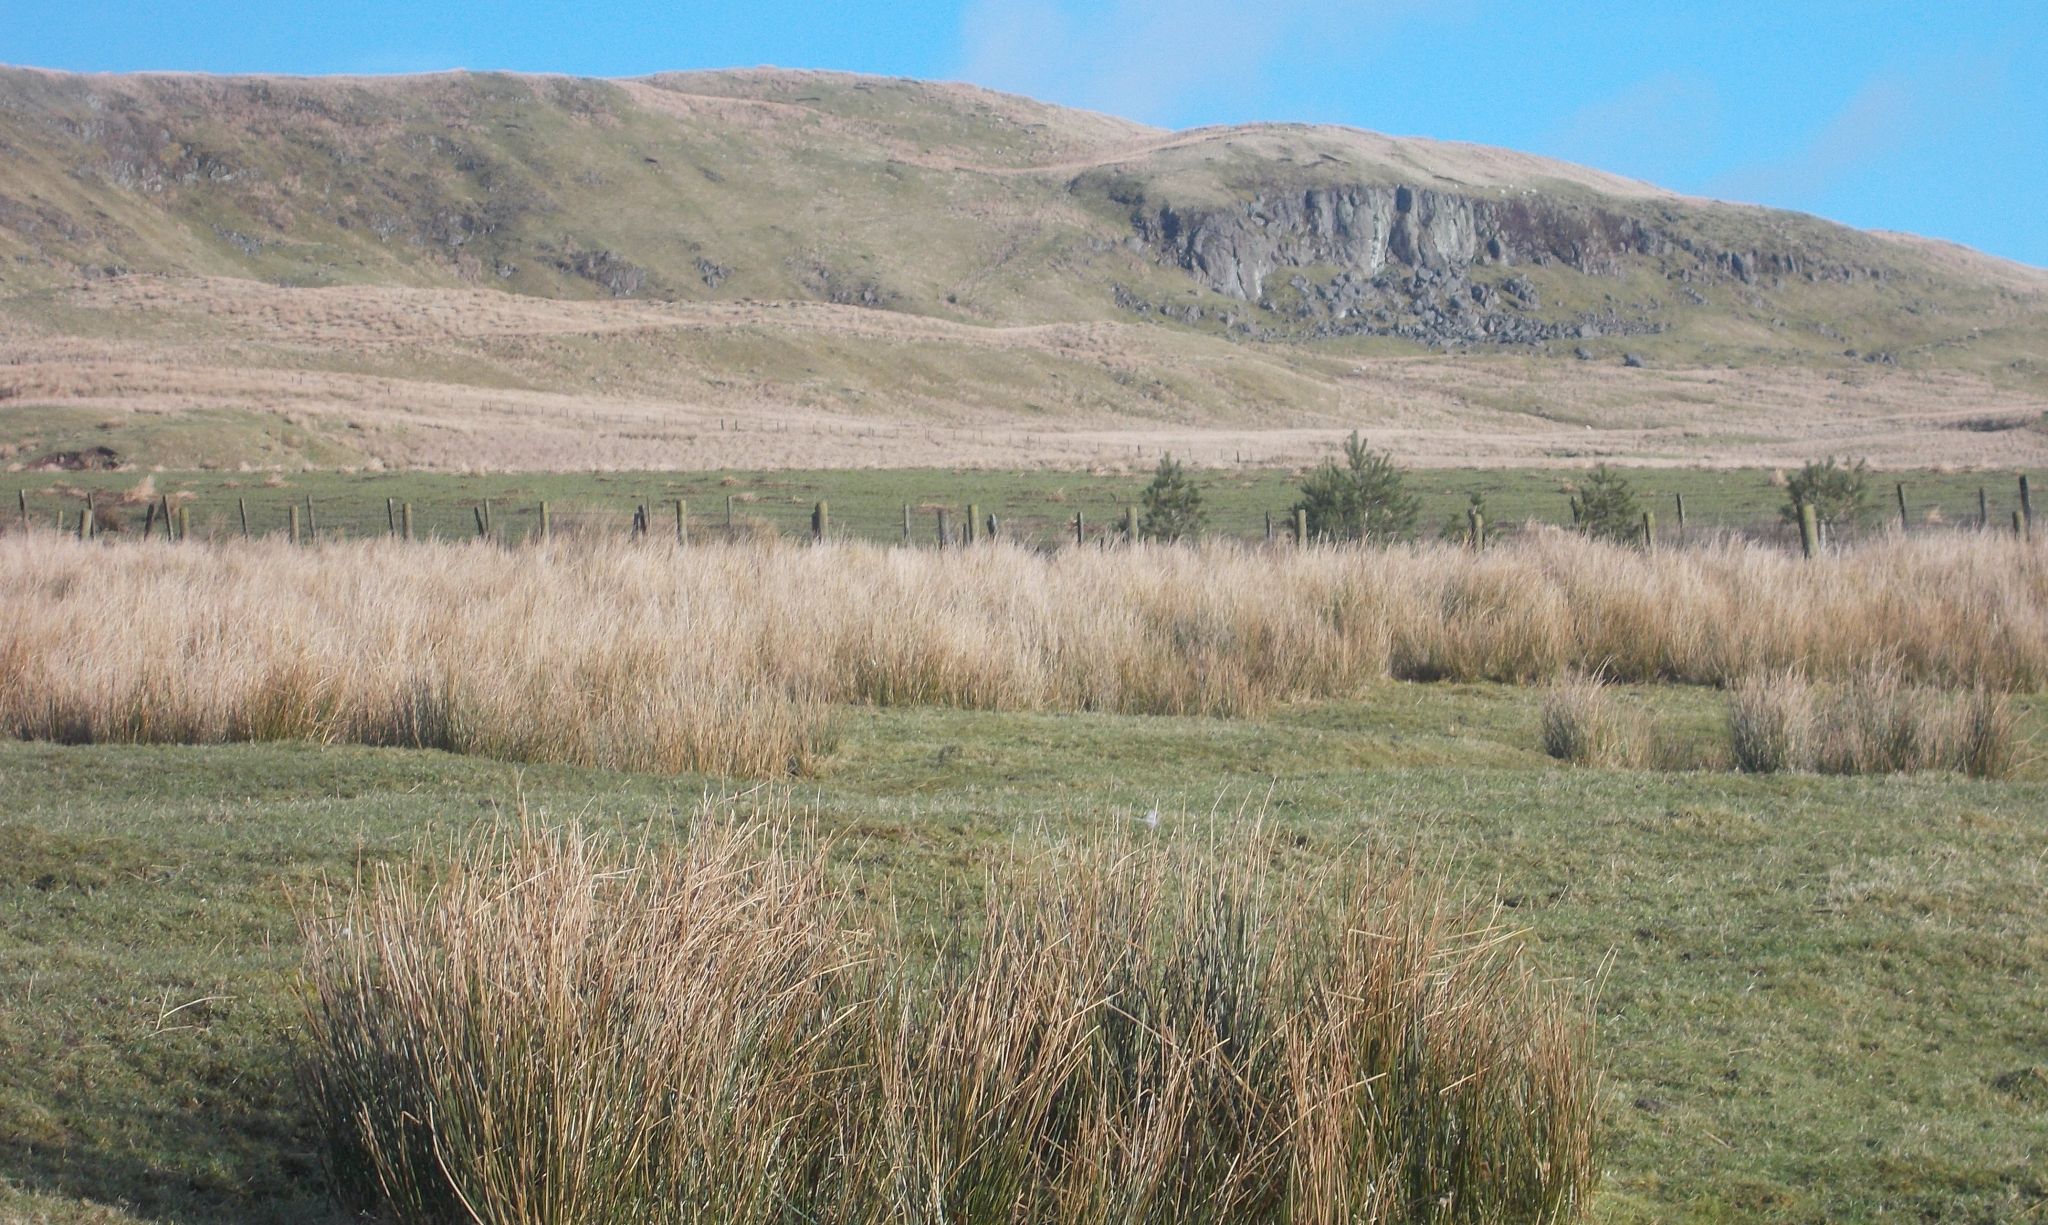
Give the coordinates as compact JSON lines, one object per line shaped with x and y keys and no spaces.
{"x":739,"y":516}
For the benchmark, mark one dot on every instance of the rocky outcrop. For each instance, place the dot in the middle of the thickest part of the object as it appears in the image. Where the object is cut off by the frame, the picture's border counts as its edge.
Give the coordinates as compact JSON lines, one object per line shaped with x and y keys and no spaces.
{"x":1365,"y":229}
{"x":1408,"y":262}
{"x":618,"y":277}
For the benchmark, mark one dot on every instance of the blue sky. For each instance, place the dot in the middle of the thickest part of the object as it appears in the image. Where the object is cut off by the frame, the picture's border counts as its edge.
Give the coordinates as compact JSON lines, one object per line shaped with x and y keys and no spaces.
{"x":1930,"y":117}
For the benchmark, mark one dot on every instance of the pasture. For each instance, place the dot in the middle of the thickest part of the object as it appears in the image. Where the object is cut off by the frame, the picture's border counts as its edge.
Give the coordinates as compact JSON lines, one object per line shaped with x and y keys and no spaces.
{"x":1814,"y":984}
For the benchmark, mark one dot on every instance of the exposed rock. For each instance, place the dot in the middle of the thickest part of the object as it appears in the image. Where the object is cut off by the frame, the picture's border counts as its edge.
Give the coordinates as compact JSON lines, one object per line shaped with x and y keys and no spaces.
{"x":1409,"y":260}
{"x":89,"y":459}
{"x":1633,"y":361}
{"x":1366,"y":228}
{"x":712,"y":273}
{"x":618,"y":277}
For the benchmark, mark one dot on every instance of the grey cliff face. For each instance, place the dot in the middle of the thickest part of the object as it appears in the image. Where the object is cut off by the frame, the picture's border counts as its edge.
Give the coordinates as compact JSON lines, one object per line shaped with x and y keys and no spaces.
{"x":1366,"y":229}
{"x":1404,"y":259}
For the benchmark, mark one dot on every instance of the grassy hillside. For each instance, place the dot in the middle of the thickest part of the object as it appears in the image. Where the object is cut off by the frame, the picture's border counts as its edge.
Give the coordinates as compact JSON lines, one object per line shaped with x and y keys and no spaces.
{"x":550,"y":272}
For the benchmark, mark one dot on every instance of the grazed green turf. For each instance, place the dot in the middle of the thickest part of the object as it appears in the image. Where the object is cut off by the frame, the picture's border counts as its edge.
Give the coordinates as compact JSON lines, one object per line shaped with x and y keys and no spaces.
{"x":869,"y":503}
{"x":1823,"y":998}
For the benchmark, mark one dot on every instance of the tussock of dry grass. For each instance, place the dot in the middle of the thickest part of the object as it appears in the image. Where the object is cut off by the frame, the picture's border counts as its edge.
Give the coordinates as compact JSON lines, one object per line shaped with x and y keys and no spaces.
{"x":1870,"y":724}
{"x":1583,"y":725}
{"x":548,"y":1030}
{"x":1770,"y":722}
{"x":729,"y":657}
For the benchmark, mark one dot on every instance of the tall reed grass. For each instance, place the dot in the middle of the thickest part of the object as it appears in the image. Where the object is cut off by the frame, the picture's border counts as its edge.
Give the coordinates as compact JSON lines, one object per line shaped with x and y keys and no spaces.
{"x":1875,"y":723}
{"x":551,"y":1030}
{"x":1583,"y":725}
{"x":730,"y":657}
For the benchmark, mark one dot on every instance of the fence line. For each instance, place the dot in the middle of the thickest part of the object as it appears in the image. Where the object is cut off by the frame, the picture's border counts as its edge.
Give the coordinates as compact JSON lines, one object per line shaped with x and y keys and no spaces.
{"x":147,"y":518}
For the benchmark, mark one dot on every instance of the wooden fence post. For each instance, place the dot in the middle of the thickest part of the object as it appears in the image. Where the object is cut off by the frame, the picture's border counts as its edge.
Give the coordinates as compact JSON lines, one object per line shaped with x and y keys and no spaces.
{"x":973,"y":523}
{"x":942,"y":527}
{"x":405,"y":520}
{"x":544,"y":524}
{"x":482,"y":532}
{"x":1300,"y":528}
{"x":682,"y":523}
{"x":2026,"y":504}
{"x":390,"y":518}
{"x":295,"y":522}
{"x":906,"y":524}
{"x":1080,"y":532}
{"x":149,"y":521}
{"x":1983,"y":511}
{"x":21,"y":496}
{"x":1649,"y":532}
{"x":487,"y":518}
{"x":242,"y":510}
{"x":992,"y":525}
{"x":821,"y":522}
{"x":728,"y":514}
{"x":1269,"y":527}
{"x":88,"y":521}
{"x":312,"y":520}
{"x":1809,"y":531}
{"x":1475,"y":523}
{"x":1905,"y":522}
{"x":1679,"y":498}
{"x":185,"y":522}
{"x":163,"y":514}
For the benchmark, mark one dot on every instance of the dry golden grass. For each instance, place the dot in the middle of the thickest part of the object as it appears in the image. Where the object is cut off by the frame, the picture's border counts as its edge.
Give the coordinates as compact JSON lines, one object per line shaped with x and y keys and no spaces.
{"x":473,"y":378}
{"x":729,"y":657}
{"x":1583,"y":725}
{"x":1869,"y":724}
{"x":550,"y":1030}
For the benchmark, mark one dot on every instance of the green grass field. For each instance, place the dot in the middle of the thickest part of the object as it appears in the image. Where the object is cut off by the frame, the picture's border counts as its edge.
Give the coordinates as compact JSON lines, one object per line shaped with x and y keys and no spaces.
{"x":869,"y":503}
{"x":1821,"y":999}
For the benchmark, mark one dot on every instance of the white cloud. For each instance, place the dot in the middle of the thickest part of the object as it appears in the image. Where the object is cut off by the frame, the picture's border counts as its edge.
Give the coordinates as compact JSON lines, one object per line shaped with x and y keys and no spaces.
{"x":1891,"y":114}
{"x":1656,"y":129}
{"x":1150,"y":59}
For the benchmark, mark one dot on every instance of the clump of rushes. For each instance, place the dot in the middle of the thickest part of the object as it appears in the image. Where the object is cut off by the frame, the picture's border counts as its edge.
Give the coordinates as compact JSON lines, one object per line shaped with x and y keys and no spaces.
{"x":1139,"y":1031}
{"x":1769,"y":722}
{"x":547,"y":1029}
{"x":1986,"y":734}
{"x":1583,"y":725}
{"x":1871,"y":724}
{"x":612,"y":654}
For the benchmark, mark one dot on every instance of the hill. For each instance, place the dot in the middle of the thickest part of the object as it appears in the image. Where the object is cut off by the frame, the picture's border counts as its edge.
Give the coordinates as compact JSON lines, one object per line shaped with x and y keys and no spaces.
{"x":768,"y":267}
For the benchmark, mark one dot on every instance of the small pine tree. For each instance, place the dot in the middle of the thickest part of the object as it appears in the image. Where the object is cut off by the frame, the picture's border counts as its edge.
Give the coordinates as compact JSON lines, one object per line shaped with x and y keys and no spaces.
{"x":1365,"y":499}
{"x":1838,"y":493}
{"x":1608,"y":509}
{"x":1173,"y":504}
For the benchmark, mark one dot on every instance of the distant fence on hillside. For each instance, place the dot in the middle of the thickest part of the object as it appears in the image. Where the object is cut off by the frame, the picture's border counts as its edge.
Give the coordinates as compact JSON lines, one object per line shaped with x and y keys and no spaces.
{"x":172,"y":518}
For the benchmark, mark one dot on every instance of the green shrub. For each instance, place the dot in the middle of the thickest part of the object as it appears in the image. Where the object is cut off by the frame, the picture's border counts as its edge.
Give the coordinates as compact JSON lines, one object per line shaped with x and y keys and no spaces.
{"x":1607,"y":507}
{"x":1838,"y":493}
{"x":1173,"y":504}
{"x":1365,"y":498}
